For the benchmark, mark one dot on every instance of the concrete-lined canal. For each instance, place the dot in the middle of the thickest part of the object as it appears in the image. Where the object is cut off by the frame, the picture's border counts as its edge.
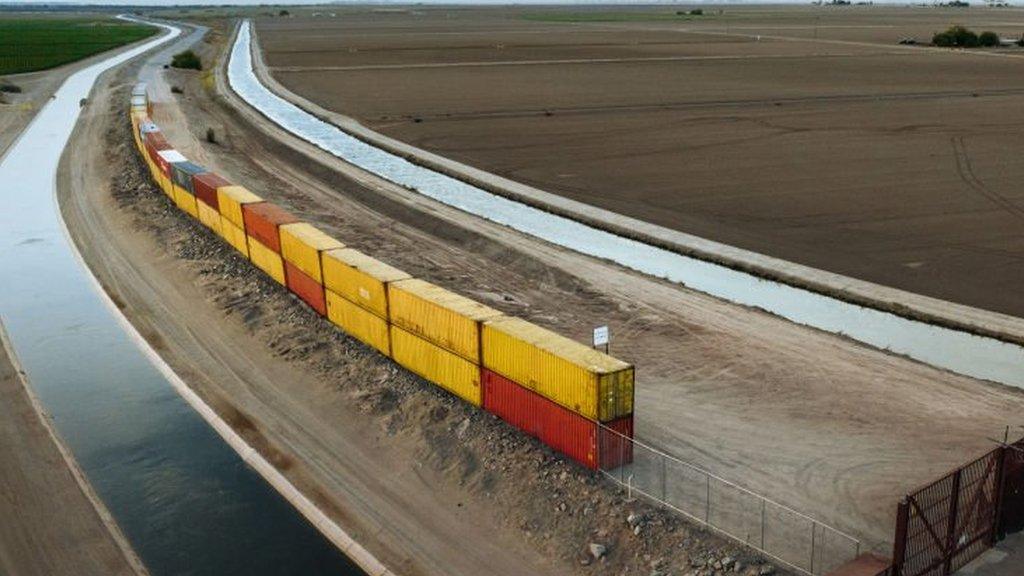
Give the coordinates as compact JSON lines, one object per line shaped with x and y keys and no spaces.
{"x":961,"y":352}
{"x":186,"y":501}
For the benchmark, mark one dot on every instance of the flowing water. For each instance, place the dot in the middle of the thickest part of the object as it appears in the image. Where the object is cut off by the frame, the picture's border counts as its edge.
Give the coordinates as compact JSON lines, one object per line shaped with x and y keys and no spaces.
{"x":186,"y":501}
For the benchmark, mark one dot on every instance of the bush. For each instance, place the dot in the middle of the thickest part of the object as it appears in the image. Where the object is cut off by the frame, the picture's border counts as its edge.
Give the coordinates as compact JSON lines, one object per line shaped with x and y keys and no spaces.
{"x":284,"y":13}
{"x":989,"y":39}
{"x":956,"y":36}
{"x":697,"y":12}
{"x":187,"y":60}
{"x":6,"y":86}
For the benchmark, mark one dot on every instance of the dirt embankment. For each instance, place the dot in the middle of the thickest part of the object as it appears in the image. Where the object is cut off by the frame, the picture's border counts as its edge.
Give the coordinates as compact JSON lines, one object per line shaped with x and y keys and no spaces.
{"x":53,"y":524}
{"x":428,"y":484}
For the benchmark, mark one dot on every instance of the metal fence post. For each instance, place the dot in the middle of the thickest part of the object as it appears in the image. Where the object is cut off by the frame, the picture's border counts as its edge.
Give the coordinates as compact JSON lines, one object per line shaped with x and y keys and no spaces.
{"x":814,"y":533}
{"x":707,"y":502}
{"x":664,"y":473}
{"x":954,"y":509}
{"x":764,"y":503}
{"x":899,"y":547}
{"x":1000,"y":493}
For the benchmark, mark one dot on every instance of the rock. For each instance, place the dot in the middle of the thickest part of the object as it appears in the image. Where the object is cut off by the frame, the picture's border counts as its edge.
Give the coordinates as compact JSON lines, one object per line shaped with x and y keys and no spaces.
{"x":633,"y":519}
{"x":698,"y":563}
{"x":766,"y":570}
{"x":598,"y":551}
{"x":727,"y":562}
{"x":737,"y":567}
{"x":636,"y":530}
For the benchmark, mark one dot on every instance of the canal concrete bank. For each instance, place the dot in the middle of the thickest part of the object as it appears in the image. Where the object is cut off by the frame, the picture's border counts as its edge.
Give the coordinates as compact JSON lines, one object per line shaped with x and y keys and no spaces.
{"x":53,"y":522}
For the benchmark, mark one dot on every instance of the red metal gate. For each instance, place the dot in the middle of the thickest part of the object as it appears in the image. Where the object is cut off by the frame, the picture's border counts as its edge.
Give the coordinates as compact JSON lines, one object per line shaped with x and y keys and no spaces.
{"x":950,"y":522}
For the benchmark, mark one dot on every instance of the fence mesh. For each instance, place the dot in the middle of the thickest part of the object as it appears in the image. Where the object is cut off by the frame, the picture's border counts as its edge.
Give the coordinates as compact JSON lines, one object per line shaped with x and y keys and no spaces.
{"x":776,"y":530}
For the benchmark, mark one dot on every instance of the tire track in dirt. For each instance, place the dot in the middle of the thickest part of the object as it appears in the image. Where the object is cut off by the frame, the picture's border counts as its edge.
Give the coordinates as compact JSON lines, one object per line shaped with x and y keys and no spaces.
{"x":965,"y":169}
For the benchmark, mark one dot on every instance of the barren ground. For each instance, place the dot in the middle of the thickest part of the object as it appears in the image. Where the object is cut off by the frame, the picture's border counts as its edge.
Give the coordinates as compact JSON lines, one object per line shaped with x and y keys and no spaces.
{"x":820,"y":423}
{"x":51,"y":526}
{"x":805,"y":133}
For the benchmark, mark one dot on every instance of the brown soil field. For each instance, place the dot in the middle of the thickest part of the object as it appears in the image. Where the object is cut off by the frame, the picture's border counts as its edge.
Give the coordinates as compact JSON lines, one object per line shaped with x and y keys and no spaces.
{"x":820,"y":423}
{"x":805,"y":133}
{"x":53,"y":524}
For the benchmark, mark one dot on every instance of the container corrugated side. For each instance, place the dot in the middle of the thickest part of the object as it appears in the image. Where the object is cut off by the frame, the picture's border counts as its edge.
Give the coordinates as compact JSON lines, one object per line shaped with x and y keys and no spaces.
{"x":302,"y":243}
{"x":306,"y":288}
{"x":565,"y":431}
{"x":360,"y":278}
{"x":262,"y":221}
{"x":234,"y":235}
{"x":266,"y":259}
{"x":583,"y":380}
{"x":435,"y":364}
{"x":358,"y":322}
{"x":183,"y":172}
{"x":185,"y":200}
{"x":442,"y":317}
{"x":205,"y":186}
{"x":209,"y":216}
{"x":230,"y":200}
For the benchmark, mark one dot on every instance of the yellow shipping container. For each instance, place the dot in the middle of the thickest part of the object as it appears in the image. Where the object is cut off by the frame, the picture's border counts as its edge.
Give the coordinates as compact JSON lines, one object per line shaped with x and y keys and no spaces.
{"x":234,"y":235}
{"x":576,"y":376}
{"x":266,"y":259}
{"x":302,"y":243}
{"x":358,"y":322}
{"x":185,"y":201}
{"x":359,"y":278}
{"x":208,"y":216}
{"x":231,"y":198}
{"x":449,"y":371}
{"x":442,"y":317}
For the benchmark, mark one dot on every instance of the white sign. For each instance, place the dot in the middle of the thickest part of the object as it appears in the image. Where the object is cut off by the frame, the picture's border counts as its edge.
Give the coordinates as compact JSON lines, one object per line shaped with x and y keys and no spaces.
{"x":601,"y":336}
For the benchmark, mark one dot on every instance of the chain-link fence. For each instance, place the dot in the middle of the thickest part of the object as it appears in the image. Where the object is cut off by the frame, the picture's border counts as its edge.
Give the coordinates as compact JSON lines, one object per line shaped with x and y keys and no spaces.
{"x":782,"y":533}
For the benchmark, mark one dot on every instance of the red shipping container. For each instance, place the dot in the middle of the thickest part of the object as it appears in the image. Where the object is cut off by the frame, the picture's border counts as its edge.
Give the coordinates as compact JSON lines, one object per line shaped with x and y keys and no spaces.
{"x":155,"y":141}
{"x":261,"y":222}
{"x":563,"y":430}
{"x":205,"y":187}
{"x":304,"y":287}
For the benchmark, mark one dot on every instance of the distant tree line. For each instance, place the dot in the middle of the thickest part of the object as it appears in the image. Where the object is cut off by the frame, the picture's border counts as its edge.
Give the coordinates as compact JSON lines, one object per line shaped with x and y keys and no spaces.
{"x":961,"y":37}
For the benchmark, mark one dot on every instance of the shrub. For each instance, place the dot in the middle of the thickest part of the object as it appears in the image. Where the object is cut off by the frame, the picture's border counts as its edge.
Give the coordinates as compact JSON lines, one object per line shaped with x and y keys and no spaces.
{"x":956,"y":36}
{"x":988,"y":39}
{"x":187,"y":60}
{"x":697,"y":12}
{"x":211,"y":136}
{"x":284,"y":13}
{"x":6,"y":86}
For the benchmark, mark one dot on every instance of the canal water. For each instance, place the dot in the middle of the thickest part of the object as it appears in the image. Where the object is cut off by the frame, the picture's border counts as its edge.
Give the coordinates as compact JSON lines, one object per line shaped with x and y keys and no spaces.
{"x":186,"y":501}
{"x":953,"y":350}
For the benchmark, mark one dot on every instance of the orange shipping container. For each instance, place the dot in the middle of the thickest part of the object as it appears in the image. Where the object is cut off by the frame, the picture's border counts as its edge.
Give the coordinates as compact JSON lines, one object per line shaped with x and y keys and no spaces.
{"x":309,"y":290}
{"x":262,"y":221}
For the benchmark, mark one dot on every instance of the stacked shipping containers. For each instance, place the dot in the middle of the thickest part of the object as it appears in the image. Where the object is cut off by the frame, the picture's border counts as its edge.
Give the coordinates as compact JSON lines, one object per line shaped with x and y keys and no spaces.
{"x":574,"y":399}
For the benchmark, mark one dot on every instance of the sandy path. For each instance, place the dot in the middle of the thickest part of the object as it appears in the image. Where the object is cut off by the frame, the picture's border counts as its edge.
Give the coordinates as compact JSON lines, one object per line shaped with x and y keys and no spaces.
{"x":53,"y":524}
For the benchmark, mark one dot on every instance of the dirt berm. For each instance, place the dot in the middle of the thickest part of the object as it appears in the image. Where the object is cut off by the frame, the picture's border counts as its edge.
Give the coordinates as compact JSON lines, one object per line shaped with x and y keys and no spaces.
{"x":426,"y":483}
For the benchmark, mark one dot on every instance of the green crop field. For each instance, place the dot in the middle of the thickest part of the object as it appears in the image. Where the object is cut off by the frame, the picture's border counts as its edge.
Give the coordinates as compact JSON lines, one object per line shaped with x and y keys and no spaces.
{"x":29,"y":44}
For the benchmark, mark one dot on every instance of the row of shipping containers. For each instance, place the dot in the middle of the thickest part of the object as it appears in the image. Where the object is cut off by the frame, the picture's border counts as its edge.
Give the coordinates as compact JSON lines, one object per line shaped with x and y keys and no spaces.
{"x":571,"y":397}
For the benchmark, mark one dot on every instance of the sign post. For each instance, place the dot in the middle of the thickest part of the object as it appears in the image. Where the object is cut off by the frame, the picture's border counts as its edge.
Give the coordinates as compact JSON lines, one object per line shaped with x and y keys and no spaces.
{"x":602,"y":337}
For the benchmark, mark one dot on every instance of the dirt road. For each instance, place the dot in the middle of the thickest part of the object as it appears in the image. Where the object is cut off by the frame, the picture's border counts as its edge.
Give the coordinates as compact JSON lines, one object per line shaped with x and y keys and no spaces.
{"x":54,"y":525}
